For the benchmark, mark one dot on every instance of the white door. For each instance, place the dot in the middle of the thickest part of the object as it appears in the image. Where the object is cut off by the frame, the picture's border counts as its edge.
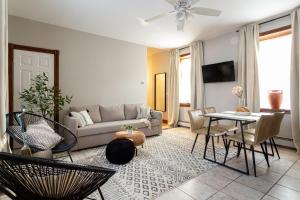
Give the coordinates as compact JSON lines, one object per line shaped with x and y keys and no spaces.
{"x":28,"y":64}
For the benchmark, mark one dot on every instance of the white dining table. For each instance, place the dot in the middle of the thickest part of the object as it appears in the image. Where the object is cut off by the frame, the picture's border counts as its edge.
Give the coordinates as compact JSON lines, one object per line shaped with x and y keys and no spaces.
{"x":241,"y":119}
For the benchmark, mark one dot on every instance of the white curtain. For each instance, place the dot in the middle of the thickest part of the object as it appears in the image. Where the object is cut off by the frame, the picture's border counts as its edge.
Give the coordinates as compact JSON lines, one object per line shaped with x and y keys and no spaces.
{"x":248,"y":65}
{"x":295,"y":78}
{"x":4,"y":146}
{"x":173,"y":89}
{"x":197,"y":85}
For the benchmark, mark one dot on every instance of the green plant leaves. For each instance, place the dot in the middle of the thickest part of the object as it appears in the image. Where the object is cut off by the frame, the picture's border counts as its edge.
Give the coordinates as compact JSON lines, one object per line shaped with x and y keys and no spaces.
{"x":42,"y":99}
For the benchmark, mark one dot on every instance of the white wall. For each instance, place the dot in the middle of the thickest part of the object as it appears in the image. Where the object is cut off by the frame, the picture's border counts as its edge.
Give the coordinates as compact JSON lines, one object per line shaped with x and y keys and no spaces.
{"x":94,"y":69}
{"x":224,"y":48}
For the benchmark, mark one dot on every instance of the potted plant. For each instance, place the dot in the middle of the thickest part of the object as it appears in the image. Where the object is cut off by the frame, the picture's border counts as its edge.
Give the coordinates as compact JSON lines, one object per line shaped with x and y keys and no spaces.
{"x":129,"y":128}
{"x":42,"y":99}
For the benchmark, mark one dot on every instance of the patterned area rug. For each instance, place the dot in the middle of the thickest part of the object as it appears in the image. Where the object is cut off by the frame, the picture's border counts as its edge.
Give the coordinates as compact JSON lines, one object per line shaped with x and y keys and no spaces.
{"x":163,"y":163}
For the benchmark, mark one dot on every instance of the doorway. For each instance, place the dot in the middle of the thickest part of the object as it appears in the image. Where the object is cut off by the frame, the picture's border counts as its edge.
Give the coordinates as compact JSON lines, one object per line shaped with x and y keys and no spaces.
{"x":25,"y":62}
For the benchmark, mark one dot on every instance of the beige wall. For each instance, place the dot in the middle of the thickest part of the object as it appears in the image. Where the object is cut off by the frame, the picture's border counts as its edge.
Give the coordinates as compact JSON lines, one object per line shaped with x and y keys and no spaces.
{"x":94,"y":69}
{"x":158,"y":62}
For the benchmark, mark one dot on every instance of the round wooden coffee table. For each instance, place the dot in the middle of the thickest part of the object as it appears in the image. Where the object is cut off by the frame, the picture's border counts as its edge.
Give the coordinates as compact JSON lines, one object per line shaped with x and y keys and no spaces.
{"x":137,"y":137}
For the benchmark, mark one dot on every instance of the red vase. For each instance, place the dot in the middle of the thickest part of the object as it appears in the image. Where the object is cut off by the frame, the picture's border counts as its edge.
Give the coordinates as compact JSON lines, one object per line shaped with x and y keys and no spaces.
{"x":275,"y":98}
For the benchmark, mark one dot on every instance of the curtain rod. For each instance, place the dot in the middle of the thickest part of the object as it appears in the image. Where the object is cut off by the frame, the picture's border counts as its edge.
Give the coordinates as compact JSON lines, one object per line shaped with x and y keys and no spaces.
{"x":274,"y":19}
{"x":183,"y":48}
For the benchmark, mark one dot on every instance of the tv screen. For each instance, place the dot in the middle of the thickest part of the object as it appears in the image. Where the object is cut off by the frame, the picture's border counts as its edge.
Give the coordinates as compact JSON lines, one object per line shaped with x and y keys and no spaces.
{"x":219,"y":72}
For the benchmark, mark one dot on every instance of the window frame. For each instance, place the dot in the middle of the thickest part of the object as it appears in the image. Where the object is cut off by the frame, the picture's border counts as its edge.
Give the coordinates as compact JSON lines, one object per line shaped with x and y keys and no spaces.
{"x":272,"y":34}
{"x":181,"y":58}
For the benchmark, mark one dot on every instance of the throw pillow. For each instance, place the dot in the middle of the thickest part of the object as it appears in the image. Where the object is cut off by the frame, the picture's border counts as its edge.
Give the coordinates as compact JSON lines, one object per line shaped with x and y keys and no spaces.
{"x":41,"y":136}
{"x":87,"y":118}
{"x":83,"y":118}
{"x":21,"y":121}
{"x":143,"y":112}
{"x":93,"y":110}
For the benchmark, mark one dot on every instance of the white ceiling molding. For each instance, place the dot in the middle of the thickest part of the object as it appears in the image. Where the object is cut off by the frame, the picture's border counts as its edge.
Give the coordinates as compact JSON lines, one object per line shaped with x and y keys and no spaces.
{"x":122,"y":19}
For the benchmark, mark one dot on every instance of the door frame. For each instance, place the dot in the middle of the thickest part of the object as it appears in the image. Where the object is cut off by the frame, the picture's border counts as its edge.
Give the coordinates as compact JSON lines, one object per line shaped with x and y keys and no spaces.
{"x":11,"y":48}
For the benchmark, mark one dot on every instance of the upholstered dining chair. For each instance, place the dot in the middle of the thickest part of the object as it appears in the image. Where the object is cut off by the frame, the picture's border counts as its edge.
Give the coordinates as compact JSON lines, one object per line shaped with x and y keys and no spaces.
{"x":275,"y":128}
{"x":197,"y":126}
{"x":229,"y":128}
{"x":24,"y":178}
{"x":277,"y":120}
{"x":259,"y":137}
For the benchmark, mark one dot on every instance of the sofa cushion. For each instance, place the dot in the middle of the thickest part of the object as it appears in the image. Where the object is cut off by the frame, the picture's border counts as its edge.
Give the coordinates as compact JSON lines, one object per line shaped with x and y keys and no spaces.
{"x":130,"y":111}
{"x":107,"y":127}
{"x":112,"y":113}
{"x":93,"y":110}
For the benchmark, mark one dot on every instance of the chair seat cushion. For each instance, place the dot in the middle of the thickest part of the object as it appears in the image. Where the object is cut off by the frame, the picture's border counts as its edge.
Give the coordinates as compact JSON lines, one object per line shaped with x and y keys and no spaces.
{"x":229,"y":128}
{"x":214,"y":131}
{"x":114,"y":126}
{"x":249,"y":138}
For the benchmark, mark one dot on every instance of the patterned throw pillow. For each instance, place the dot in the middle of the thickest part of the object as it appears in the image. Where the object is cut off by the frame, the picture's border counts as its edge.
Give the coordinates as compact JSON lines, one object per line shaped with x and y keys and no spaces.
{"x":41,"y":136}
{"x":143,"y":112}
{"x":83,"y":118}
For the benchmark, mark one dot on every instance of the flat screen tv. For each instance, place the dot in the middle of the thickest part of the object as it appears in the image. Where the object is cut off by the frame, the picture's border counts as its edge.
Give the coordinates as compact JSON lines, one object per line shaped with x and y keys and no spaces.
{"x":218,"y":72}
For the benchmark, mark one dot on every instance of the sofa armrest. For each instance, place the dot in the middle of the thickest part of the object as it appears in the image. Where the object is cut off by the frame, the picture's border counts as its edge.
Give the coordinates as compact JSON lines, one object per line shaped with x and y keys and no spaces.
{"x":157,"y":115}
{"x":71,"y":123}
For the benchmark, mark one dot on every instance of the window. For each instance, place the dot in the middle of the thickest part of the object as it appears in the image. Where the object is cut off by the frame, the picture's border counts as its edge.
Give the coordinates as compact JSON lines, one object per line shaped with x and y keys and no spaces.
{"x":274,"y":66}
{"x":185,"y":80}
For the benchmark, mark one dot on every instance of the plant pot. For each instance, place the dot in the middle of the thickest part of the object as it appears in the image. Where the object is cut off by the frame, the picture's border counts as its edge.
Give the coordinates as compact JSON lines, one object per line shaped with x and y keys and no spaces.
{"x":129,"y":131}
{"x":275,"y":98}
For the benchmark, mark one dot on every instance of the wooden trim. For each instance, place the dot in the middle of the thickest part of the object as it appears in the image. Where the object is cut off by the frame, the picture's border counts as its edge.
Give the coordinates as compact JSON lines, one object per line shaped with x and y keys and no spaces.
{"x":185,"y":105}
{"x":11,"y":49}
{"x":274,"y":110}
{"x":185,"y":55}
{"x":275,"y":33}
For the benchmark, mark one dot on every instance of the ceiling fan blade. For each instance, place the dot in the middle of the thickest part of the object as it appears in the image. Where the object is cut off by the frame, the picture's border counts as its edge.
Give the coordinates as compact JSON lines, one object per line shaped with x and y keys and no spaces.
{"x":205,"y":11}
{"x":194,"y":2}
{"x":158,"y":16}
{"x":172,"y":2}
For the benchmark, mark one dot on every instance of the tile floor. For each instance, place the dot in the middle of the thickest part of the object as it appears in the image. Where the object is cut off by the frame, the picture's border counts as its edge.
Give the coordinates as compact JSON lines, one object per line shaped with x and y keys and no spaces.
{"x":280,"y":181}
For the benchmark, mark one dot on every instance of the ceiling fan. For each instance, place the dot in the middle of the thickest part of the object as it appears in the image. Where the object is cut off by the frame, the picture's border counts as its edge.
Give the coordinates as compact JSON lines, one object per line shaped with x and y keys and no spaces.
{"x":184,"y":10}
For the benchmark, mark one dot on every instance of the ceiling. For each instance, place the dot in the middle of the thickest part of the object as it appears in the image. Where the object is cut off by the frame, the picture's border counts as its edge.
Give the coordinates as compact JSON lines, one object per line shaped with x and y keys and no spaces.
{"x":119,"y":19}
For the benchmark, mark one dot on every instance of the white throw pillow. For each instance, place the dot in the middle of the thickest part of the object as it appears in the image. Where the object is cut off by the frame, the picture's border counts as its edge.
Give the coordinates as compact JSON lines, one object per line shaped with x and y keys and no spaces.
{"x":143,"y":112}
{"x":83,"y":118}
{"x":87,"y":118}
{"x":41,"y":136}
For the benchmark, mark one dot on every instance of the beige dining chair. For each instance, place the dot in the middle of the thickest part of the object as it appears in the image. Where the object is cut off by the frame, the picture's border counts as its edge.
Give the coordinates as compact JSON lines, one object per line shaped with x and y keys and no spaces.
{"x":275,"y":129}
{"x":229,"y":128}
{"x":277,"y":120}
{"x":197,"y":126}
{"x":259,"y":137}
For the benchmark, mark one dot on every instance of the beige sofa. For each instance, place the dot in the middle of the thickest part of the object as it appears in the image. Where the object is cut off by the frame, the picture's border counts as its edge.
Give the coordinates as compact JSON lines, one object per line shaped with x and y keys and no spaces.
{"x":108,"y":120}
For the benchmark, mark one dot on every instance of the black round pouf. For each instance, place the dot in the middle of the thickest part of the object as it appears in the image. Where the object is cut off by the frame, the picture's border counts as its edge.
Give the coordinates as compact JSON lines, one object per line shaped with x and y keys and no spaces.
{"x":120,"y":151}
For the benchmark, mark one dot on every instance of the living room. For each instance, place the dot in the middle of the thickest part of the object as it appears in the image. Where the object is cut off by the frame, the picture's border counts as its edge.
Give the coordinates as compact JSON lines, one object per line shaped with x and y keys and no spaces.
{"x":168,"y":99}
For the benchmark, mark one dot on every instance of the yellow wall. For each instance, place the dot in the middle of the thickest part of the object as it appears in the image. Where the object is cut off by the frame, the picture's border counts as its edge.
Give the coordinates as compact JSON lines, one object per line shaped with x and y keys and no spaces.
{"x":158,"y":62}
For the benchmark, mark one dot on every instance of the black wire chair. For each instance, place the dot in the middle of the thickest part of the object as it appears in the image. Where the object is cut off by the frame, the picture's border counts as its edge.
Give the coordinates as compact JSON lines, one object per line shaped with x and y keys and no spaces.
{"x":36,"y":178}
{"x":66,"y":145}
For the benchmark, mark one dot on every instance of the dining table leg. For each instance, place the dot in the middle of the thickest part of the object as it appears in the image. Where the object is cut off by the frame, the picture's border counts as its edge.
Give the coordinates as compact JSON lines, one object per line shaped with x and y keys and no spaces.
{"x":207,"y":138}
{"x":244,"y":145}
